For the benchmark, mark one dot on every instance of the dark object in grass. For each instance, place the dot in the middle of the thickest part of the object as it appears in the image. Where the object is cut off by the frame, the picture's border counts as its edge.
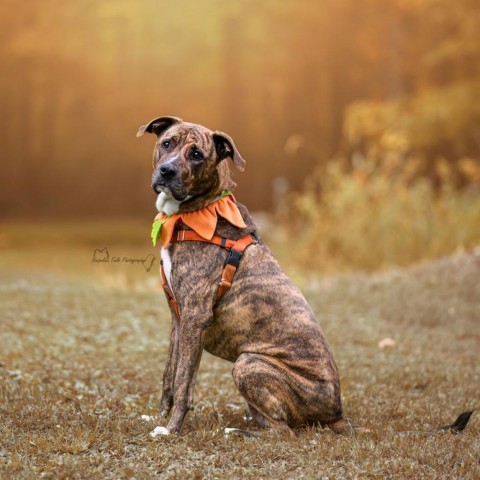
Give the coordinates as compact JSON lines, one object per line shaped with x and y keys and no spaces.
{"x":459,"y":424}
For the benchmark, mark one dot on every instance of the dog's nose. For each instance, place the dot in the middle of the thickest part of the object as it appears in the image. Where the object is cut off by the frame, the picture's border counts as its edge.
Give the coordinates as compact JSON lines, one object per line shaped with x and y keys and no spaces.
{"x":167,"y":171}
{"x":163,"y":175}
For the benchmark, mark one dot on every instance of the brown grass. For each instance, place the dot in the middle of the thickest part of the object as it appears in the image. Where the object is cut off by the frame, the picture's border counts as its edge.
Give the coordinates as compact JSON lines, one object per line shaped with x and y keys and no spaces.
{"x":81,"y":358}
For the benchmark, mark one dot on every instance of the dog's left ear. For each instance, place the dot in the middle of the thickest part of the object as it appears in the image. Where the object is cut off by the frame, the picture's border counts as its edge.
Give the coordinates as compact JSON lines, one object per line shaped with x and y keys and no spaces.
{"x":226,"y":148}
{"x":158,"y":125}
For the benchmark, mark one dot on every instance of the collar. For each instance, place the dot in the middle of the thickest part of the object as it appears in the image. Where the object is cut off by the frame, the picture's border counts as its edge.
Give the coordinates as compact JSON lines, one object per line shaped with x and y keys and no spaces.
{"x":203,"y":221}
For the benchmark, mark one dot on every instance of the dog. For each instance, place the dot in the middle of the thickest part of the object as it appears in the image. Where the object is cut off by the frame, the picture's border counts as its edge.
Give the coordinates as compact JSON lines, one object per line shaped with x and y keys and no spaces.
{"x":236,"y":303}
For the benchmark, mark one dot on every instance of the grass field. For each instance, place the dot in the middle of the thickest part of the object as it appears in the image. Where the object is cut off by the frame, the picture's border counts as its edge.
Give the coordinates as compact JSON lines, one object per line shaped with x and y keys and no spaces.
{"x":83,"y":345}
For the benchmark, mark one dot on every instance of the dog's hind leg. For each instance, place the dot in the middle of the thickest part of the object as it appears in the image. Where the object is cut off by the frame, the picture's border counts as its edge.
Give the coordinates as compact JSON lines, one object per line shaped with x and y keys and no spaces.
{"x":256,"y":416}
{"x":260,"y":384}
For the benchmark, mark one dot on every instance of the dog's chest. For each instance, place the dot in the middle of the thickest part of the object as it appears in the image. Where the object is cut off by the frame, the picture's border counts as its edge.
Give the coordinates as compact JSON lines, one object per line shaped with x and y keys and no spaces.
{"x":167,"y":265}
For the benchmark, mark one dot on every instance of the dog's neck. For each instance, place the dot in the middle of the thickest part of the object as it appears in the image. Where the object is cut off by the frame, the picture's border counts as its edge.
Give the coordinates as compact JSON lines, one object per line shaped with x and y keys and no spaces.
{"x":168,"y":205}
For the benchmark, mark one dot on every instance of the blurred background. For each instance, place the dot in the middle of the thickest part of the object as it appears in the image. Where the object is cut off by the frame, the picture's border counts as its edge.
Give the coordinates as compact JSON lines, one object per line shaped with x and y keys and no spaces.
{"x":359,"y":119}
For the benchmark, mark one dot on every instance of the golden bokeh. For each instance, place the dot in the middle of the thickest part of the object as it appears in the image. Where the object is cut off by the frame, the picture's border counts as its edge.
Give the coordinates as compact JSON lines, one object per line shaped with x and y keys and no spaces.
{"x":294,"y":83}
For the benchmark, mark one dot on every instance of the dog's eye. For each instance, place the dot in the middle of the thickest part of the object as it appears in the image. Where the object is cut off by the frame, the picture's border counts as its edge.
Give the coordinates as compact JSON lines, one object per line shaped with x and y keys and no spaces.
{"x":166,"y":144}
{"x":197,"y":155}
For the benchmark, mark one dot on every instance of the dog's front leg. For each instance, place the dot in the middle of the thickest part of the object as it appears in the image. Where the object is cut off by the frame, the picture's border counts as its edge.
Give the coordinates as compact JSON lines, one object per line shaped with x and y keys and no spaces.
{"x":190,"y":347}
{"x":170,"y":368}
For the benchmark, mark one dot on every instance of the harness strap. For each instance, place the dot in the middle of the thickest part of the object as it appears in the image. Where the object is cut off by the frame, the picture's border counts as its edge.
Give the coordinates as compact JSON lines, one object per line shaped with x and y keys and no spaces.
{"x":236,"y":249}
{"x":232,"y":263}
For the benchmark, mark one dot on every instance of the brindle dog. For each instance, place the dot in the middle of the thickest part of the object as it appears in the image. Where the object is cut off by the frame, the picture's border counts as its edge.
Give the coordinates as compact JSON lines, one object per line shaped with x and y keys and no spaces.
{"x":282,"y":364}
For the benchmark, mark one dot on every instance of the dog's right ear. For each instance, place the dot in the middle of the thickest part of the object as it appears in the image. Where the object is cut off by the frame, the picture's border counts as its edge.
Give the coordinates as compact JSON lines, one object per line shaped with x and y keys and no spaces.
{"x":158,"y":125}
{"x":226,"y":148}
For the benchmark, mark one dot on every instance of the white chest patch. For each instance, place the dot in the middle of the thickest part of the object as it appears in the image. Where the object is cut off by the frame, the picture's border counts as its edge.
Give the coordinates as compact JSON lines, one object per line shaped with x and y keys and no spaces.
{"x":167,"y":204}
{"x":167,"y":265}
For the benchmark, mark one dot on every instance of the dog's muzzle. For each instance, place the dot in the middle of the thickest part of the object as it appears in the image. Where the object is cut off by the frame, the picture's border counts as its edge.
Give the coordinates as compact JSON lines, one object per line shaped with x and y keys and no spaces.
{"x":166,"y":173}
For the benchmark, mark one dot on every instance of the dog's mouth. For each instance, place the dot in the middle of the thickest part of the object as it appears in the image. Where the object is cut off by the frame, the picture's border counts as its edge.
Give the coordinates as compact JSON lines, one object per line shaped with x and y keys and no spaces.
{"x":169,"y":203}
{"x":177,"y":194}
{"x":158,"y":188}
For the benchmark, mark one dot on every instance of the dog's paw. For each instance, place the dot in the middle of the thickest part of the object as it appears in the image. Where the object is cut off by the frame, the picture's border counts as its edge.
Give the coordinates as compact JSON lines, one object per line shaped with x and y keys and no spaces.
{"x":157,"y":431}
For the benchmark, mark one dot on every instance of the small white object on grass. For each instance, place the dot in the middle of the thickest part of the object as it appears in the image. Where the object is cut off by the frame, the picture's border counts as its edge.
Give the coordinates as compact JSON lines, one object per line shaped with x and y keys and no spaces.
{"x":230,"y":430}
{"x":147,"y":418}
{"x":387,"y":343}
{"x":157,"y":431}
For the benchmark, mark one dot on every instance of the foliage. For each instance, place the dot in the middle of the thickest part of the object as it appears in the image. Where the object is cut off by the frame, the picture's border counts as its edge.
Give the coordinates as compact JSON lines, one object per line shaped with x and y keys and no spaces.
{"x":439,"y":124}
{"x":406,"y":183}
{"x":376,"y":216}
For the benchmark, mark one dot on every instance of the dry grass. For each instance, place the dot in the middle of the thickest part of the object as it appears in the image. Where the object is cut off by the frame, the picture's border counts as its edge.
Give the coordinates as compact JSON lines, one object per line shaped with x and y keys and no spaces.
{"x":381,"y":216}
{"x":81,"y":358}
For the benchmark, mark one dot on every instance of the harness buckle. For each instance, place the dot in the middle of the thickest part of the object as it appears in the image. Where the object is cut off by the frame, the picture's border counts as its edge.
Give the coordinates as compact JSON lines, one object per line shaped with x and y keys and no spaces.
{"x":223,"y":283}
{"x":233,"y":258}
{"x":181,"y":235}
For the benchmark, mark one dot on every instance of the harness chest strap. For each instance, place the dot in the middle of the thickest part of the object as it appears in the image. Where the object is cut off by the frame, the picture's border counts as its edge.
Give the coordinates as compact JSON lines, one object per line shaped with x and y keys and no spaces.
{"x":236,"y":248}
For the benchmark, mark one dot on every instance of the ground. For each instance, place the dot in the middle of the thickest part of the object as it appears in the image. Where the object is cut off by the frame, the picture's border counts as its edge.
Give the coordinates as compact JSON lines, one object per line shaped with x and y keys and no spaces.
{"x":83,"y":346}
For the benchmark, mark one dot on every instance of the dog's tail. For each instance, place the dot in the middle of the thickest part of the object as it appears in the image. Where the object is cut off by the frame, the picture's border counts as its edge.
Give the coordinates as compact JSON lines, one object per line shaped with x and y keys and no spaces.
{"x":347,"y":427}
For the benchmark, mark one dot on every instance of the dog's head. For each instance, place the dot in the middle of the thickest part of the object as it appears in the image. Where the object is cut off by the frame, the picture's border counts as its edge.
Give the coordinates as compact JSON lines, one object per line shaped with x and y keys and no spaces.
{"x":189,"y":169}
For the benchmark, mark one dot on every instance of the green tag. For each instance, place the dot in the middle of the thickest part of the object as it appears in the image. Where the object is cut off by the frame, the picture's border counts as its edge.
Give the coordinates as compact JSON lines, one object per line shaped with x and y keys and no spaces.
{"x":225,"y":193}
{"x":156,"y":229}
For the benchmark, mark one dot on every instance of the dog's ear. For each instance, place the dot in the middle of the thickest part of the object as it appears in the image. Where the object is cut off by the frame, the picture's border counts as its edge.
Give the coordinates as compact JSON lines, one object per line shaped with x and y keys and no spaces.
{"x":226,"y":148}
{"x":158,"y":125}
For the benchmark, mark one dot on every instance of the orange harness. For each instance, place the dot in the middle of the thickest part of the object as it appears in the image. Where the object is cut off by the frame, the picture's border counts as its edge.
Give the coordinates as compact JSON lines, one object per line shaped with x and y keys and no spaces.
{"x":236,"y":248}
